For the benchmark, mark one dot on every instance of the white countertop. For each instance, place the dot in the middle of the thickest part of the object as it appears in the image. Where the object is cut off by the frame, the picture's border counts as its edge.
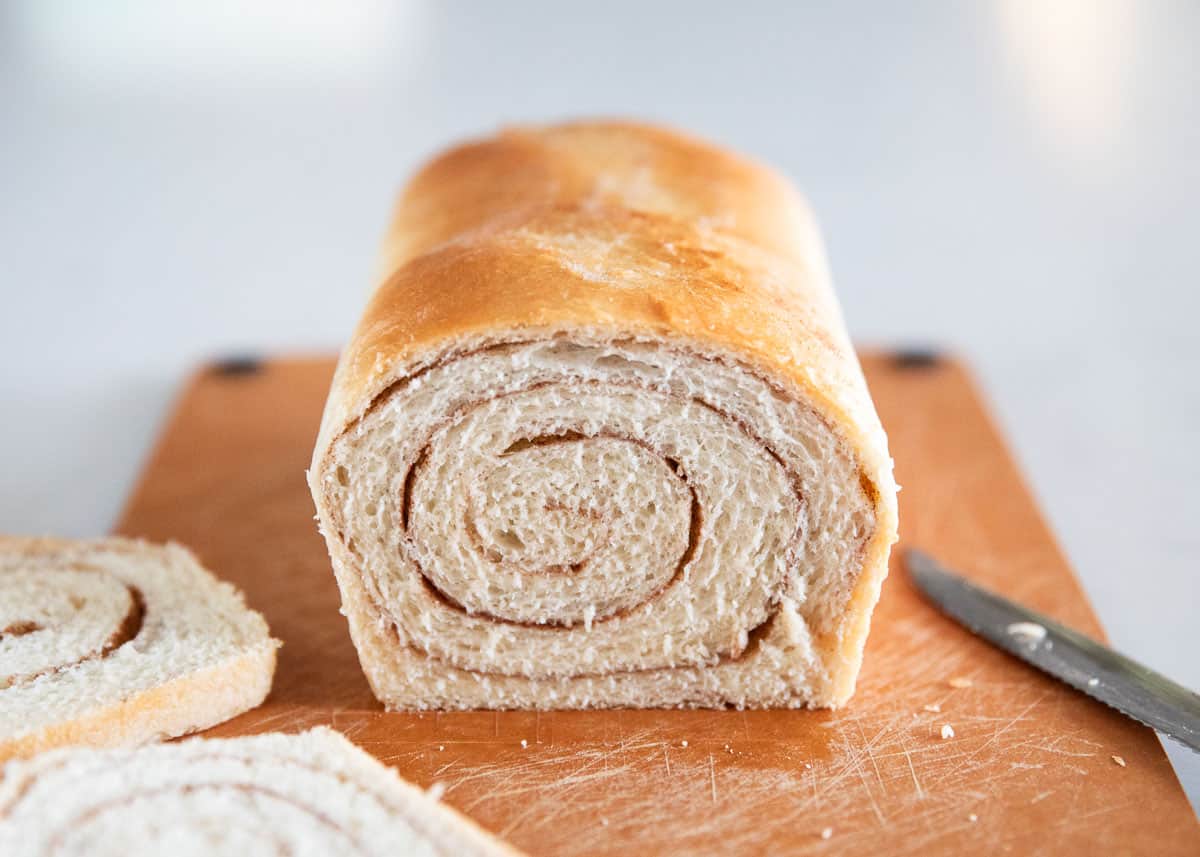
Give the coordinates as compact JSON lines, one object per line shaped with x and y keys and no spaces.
{"x":1016,"y":180}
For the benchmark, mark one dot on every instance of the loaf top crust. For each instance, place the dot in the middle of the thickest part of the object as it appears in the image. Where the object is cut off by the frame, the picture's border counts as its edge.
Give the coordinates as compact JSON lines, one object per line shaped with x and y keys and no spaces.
{"x":618,"y":229}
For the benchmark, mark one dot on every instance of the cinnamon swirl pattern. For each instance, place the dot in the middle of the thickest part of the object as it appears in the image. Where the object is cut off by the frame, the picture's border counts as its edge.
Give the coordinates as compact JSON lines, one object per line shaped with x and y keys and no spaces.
{"x":590,"y":447}
{"x":308,"y":794}
{"x":116,"y":641}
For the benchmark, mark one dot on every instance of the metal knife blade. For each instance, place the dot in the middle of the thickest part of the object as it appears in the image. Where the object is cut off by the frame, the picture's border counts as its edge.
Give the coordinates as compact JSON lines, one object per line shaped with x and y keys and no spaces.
{"x":1069,"y":656}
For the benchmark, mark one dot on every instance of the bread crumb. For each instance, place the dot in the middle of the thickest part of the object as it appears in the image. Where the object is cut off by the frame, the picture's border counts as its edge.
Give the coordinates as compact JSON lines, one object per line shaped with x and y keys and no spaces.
{"x":604,"y":822}
{"x":827,"y":832}
{"x":947,"y":731}
{"x":1030,"y":633}
{"x":808,"y":765}
{"x":960,"y":682}
{"x":1119,"y":761}
{"x":683,"y":743}
{"x":524,"y":743}
{"x":1093,"y":681}
{"x":972,"y":818}
{"x":933,"y":709}
{"x":441,"y":746}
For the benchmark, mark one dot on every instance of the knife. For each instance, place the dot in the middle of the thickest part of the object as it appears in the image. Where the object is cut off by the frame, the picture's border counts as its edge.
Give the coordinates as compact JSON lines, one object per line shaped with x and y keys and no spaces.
{"x":1069,"y":656}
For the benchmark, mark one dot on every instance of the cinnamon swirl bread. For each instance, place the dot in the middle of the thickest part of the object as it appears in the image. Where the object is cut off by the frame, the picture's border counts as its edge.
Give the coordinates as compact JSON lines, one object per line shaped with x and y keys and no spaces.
{"x":310,"y":794}
{"x":600,"y":438}
{"x":115,"y":641}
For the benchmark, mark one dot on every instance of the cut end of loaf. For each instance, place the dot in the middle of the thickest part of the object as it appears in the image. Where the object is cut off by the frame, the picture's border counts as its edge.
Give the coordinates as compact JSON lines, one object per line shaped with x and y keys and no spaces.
{"x":596,"y":519}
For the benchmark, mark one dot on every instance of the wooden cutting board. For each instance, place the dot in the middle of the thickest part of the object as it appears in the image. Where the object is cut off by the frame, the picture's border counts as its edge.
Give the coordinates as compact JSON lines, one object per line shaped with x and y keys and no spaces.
{"x":1030,"y":769}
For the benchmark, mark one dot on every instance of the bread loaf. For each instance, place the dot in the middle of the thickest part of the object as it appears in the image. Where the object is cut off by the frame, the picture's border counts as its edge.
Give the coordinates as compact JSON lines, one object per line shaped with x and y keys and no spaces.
{"x":600,"y":438}
{"x":308,"y":795}
{"x":115,"y":642}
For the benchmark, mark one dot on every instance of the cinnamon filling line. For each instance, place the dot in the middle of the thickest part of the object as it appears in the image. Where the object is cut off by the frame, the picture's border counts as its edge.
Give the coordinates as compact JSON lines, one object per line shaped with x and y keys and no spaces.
{"x":127,"y":629}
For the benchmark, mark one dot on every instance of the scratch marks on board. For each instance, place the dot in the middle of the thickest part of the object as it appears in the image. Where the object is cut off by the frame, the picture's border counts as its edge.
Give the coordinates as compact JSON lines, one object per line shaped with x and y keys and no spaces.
{"x":870,"y":769}
{"x":920,"y":792}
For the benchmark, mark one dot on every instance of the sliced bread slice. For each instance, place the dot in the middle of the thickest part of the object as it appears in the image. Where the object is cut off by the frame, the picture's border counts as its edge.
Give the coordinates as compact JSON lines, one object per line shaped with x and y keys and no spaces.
{"x":308,"y":794}
{"x":117,"y":642}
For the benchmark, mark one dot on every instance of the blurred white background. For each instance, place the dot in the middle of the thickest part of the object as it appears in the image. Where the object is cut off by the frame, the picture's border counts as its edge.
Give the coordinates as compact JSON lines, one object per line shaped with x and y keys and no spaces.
{"x":1016,"y":180}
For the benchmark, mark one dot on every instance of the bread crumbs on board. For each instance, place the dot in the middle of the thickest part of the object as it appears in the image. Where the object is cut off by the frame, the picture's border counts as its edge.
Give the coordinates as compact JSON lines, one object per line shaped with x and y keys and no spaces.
{"x":960,"y":682}
{"x":947,"y":731}
{"x":1119,"y":761}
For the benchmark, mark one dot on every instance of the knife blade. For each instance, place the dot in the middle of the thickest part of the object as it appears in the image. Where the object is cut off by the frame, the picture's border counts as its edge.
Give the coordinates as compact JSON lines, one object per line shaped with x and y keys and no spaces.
{"x":1081,"y":662}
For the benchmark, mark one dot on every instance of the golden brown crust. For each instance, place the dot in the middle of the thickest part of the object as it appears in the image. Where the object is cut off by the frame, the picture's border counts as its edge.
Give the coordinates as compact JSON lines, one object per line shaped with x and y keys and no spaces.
{"x":599,"y":164}
{"x":633,"y":231}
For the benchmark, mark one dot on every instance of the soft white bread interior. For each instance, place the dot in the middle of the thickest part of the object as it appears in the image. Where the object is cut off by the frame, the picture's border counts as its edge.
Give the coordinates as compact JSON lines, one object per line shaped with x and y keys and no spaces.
{"x":115,"y":642}
{"x":600,"y":438}
{"x":309,"y":794}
